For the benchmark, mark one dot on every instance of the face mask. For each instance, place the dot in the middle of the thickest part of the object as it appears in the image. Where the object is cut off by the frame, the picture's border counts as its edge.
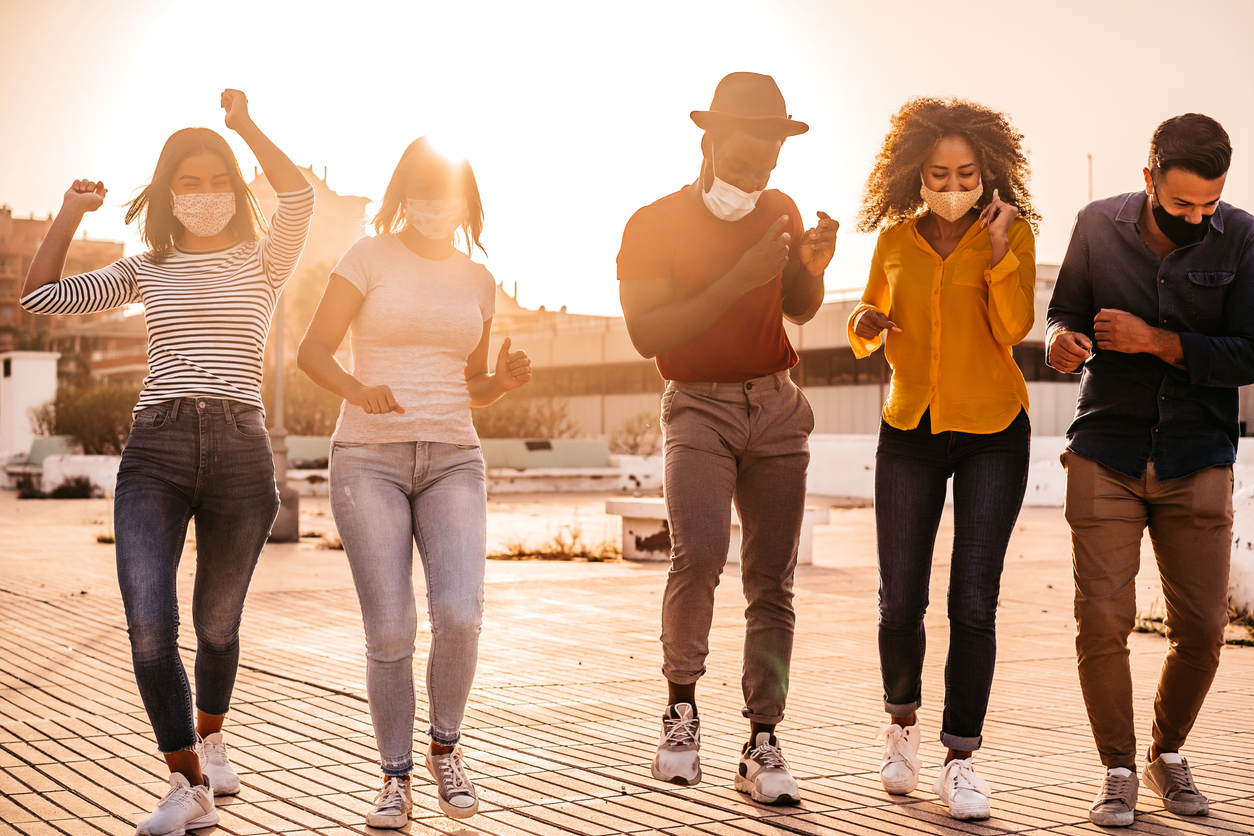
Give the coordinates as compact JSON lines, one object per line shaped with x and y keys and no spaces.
{"x":1178,"y":230}
{"x":726,"y":202}
{"x":951,"y":205}
{"x":437,"y":219}
{"x":204,"y":214}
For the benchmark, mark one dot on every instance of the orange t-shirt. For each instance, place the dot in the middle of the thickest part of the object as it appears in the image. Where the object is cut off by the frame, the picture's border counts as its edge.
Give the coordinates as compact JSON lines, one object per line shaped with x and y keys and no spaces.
{"x":677,"y":238}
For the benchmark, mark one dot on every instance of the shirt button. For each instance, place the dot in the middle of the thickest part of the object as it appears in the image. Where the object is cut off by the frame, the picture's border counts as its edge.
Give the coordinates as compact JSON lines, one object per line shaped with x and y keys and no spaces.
{"x":1162,"y":281}
{"x":1164,"y":322}
{"x":748,"y":385}
{"x":1155,"y":429}
{"x":201,"y":404}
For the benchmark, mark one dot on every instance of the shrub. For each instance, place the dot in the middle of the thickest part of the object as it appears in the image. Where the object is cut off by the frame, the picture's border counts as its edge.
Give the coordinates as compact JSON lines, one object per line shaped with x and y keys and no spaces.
{"x":97,"y":418}
{"x":308,"y":409}
{"x":78,"y":487}
{"x":525,"y":418}
{"x":638,"y":435}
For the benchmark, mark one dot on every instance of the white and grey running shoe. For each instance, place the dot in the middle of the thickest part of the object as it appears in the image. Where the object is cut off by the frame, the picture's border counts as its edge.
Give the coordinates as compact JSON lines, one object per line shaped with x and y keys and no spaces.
{"x":763,"y":772}
{"x":216,"y":766}
{"x":678,"y":759}
{"x":183,"y":808}
{"x":392,"y":804}
{"x":457,"y":795}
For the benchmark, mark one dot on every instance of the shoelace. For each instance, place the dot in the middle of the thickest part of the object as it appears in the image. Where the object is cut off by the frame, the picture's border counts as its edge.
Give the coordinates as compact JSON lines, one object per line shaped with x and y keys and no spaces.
{"x":1181,"y":779}
{"x":215,"y":753}
{"x":178,"y":796}
{"x":391,"y":797}
{"x":451,"y":773}
{"x":769,"y":756}
{"x":961,"y":776}
{"x":1114,"y":787}
{"x":894,"y":737}
{"x":680,"y":732}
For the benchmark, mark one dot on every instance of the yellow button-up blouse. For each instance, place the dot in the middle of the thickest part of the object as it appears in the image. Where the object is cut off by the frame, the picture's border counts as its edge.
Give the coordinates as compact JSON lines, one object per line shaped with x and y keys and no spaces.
{"x":958,"y":317}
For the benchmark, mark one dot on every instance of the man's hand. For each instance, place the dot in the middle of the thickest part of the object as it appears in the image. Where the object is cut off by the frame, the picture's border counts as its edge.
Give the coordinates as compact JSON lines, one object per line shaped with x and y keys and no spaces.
{"x":84,"y":196}
{"x":871,"y":322}
{"x":1124,"y":332}
{"x":375,"y":400}
{"x":819,"y":244}
{"x":765,"y":259}
{"x":1069,"y":350}
{"x":512,"y":369}
{"x":235,"y":103}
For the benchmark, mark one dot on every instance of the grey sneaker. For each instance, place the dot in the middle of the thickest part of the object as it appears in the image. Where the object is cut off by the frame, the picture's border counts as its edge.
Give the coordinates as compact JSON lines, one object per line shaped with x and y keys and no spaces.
{"x":392,"y":804}
{"x":1169,"y":776}
{"x":457,"y":795}
{"x":763,"y":772}
{"x":678,"y":759}
{"x":1115,"y":805}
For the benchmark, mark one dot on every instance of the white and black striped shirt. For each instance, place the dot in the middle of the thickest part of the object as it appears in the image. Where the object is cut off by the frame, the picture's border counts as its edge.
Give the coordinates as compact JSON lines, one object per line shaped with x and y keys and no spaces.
{"x":207,"y":313}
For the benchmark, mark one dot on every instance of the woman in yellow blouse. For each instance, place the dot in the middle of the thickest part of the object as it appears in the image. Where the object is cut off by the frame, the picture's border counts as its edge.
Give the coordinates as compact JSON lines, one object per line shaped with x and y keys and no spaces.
{"x":951,"y":289}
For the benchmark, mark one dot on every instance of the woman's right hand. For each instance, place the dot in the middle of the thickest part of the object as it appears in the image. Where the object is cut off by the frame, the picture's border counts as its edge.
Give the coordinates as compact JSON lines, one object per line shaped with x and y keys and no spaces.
{"x":871,"y":322}
{"x":375,"y":400}
{"x":84,"y":196}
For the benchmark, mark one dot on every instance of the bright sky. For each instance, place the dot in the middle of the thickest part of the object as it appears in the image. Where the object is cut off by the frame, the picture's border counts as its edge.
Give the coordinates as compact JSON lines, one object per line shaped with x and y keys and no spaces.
{"x":576,"y":114}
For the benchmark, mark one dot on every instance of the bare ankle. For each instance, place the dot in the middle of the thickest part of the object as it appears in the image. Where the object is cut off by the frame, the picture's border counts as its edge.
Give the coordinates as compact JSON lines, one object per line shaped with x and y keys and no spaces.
{"x":905,"y":722}
{"x":441,"y":749}
{"x":956,"y":755}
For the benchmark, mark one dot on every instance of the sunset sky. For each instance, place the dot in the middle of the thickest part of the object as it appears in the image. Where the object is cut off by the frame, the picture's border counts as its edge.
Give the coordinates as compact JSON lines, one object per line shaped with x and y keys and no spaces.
{"x":576,"y":114}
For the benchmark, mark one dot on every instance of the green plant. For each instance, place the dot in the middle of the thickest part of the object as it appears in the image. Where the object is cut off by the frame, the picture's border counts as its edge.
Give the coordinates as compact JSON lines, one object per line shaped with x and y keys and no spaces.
{"x":97,"y":418}
{"x":308,"y":409}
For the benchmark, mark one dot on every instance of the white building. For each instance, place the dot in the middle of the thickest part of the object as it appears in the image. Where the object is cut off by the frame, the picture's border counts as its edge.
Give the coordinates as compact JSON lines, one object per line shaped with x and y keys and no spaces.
{"x":28,"y":380}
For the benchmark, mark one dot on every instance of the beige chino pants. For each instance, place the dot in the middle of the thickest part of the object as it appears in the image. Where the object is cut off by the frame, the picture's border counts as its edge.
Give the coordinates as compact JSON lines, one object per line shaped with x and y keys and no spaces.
{"x":748,"y":442}
{"x":1190,"y":525}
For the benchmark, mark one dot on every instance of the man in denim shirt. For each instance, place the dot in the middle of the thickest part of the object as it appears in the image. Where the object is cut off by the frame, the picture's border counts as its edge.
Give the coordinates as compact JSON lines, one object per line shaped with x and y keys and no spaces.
{"x":1155,"y":304}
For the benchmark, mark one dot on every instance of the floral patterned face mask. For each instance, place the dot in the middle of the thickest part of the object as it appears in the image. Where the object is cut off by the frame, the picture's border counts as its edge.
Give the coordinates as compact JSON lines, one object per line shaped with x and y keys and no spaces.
{"x":437,"y":219}
{"x":204,"y":214}
{"x":951,"y":205}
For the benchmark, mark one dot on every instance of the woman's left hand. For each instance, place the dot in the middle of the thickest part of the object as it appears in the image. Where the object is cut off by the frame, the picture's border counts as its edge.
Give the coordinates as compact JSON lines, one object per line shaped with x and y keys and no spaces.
{"x":819,"y":244}
{"x":235,"y":103}
{"x":998,"y":216}
{"x":513,"y":369}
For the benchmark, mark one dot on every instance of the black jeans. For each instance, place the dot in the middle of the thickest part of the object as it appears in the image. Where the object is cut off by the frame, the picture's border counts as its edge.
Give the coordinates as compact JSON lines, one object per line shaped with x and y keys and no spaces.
{"x":990,"y":474}
{"x":209,"y":460}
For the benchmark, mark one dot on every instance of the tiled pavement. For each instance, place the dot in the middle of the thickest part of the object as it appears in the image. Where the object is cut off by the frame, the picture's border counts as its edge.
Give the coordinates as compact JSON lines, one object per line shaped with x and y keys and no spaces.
{"x":564,"y":715}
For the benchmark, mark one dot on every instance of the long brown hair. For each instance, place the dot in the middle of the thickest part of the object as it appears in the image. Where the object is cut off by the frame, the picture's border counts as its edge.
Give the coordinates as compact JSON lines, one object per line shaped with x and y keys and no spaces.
{"x":421,"y":154}
{"x":892,"y":190}
{"x":154,"y":207}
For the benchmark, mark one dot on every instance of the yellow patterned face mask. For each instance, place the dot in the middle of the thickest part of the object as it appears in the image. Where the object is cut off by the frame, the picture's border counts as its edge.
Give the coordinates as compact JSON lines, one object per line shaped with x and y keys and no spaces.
{"x":951,"y":205}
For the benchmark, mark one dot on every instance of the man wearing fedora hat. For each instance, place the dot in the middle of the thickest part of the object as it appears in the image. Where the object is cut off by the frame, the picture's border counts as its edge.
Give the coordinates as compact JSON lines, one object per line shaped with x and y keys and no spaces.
{"x":707,"y":276}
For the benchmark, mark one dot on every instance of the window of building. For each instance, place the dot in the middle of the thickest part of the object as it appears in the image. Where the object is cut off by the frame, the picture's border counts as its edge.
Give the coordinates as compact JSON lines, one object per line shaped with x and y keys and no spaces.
{"x":8,"y":265}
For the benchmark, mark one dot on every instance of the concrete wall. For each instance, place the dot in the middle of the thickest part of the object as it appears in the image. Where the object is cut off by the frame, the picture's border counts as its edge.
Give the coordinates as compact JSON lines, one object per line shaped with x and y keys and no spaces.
{"x":28,"y":379}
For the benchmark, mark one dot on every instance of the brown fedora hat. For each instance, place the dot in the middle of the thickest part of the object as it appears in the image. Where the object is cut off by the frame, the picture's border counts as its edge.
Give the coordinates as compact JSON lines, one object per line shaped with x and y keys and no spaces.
{"x":750,"y":99}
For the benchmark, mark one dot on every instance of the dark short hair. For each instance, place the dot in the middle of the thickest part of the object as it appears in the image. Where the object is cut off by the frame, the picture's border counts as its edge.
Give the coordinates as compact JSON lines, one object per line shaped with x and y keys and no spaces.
{"x":1193,"y":142}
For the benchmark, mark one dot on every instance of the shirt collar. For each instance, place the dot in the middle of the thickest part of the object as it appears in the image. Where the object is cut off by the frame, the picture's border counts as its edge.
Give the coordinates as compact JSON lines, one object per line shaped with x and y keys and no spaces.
{"x":1130,"y":212}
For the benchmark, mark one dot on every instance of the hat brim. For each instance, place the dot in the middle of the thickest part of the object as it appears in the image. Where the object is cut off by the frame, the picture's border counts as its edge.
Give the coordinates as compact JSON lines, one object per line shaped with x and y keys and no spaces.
{"x":778,"y":125}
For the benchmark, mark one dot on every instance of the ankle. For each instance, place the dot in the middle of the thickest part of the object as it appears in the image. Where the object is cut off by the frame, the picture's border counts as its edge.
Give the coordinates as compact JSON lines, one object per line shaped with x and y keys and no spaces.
{"x":677,"y":694}
{"x":757,"y":728}
{"x":441,"y":749}
{"x":955,"y":755}
{"x":905,"y":722}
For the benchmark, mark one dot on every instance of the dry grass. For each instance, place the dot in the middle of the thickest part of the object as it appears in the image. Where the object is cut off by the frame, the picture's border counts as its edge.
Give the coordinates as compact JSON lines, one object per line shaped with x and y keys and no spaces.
{"x":567,"y":544}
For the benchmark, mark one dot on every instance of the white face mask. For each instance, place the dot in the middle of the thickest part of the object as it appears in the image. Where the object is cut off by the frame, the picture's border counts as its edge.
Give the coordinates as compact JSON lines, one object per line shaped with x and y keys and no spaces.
{"x":204,"y":214}
{"x":951,"y":205}
{"x":726,"y":202}
{"x":437,"y":219}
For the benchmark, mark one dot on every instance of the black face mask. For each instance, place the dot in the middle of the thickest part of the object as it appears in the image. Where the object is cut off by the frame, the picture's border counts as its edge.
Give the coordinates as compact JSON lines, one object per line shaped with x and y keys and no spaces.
{"x":1177,"y":229}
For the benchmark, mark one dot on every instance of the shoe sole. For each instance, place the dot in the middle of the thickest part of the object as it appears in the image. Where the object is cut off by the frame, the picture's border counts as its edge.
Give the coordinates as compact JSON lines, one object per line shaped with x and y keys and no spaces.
{"x":749,"y":788}
{"x":207,"y":820}
{"x":387,"y":822}
{"x":1180,"y":808}
{"x":678,"y":780}
{"x":900,"y":787}
{"x":229,"y":789}
{"x":458,"y":812}
{"x":1112,"y":819}
{"x":969,"y":814}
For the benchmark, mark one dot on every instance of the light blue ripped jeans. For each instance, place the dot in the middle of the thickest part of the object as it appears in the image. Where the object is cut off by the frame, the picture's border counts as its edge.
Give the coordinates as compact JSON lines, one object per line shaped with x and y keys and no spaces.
{"x":386,"y":497}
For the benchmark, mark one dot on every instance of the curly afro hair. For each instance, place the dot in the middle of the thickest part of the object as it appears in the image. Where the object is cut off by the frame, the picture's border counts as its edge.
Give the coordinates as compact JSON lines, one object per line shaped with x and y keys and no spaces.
{"x":892,"y":190}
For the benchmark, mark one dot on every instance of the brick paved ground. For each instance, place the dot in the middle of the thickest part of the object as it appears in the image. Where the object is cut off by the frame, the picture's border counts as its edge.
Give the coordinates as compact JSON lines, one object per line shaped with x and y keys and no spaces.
{"x":564,"y":717}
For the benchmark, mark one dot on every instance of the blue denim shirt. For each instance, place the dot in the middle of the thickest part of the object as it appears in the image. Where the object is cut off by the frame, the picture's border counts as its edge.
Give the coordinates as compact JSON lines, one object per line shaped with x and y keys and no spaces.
{"x":1133,"y":407}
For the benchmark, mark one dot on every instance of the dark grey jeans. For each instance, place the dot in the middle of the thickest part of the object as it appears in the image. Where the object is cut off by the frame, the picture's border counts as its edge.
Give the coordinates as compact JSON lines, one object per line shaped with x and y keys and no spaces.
{"x":990,"y":478}
{"x":209,"y":460}
{"x":748,"y":442}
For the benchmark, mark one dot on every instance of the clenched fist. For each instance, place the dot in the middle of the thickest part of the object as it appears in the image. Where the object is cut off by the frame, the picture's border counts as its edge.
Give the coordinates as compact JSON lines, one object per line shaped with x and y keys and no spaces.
{"x":84,"y":196}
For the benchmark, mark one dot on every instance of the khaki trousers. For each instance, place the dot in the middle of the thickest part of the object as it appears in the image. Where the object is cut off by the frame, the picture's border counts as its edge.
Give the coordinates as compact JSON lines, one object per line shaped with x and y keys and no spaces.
{"x":1190,"y":526}
{"x":748,"y":442}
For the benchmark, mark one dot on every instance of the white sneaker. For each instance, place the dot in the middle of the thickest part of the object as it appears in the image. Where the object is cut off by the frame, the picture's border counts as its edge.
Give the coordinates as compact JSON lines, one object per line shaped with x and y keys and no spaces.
{"x":963,"y":791}
{"x":899,"y":771}
{"x":392,"y":804}
{"x":763,"y":773}
{"x":678,"y":759}
{"x":457,"y":795}
{"x":215,"y":766}
{"x":183,"y":808}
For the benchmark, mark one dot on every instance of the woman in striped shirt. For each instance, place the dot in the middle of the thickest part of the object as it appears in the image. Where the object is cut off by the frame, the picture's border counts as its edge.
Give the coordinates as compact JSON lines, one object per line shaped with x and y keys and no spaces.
{"x":198,"y":447}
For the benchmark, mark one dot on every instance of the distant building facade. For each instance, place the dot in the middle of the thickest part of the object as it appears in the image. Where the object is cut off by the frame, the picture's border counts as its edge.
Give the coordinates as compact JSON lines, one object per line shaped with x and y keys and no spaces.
{"x":19,"y":240}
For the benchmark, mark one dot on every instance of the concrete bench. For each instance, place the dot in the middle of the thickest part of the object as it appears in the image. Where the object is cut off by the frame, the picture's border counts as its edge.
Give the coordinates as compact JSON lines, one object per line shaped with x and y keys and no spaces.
{"x":647,"y":535}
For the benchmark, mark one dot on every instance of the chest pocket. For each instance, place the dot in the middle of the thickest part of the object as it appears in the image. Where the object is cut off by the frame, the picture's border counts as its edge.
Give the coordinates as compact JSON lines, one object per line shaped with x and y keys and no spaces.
{"x":1204,"y":298}
{"x":968,"y":269}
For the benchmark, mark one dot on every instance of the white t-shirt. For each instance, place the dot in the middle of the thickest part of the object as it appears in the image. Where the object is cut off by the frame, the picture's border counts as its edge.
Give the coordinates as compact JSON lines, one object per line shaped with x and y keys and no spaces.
{"x":417,"y":325}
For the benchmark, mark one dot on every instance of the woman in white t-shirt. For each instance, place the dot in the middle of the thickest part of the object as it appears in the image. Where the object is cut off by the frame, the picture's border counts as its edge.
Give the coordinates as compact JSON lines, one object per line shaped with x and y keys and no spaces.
{"x":405,"y":462}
